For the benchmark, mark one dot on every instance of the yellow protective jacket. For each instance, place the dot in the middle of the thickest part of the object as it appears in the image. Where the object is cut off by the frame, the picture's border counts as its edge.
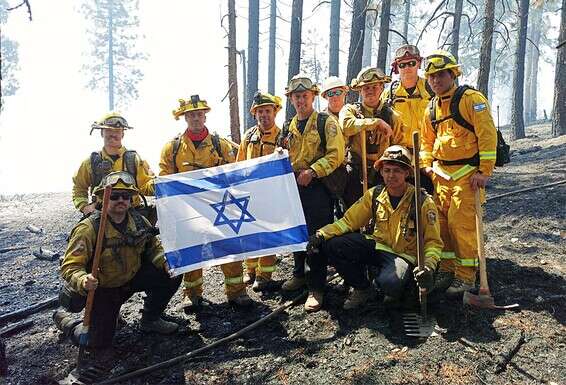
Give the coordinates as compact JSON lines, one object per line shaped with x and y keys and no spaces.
{"x":190,"y":158}
{"x":83,"y":178}
{"x":354,"y":118}
{"x":304,"y":149}
{"x":410,"y":108}
{"x":450,"y":141}
{"x":394,"y":231}
{"x":119,"y":264}
{"x":256,"y":143}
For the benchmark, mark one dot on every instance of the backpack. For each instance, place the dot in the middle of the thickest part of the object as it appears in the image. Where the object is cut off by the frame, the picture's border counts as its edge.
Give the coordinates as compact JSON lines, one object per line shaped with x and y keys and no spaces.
{"x":102,"y":167}
{"x":502,"y":149}
{"x":336,"y":181}
{"x":177,"y":144}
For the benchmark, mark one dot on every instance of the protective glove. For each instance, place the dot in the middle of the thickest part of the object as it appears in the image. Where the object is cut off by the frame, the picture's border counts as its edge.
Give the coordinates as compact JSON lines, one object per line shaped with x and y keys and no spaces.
{"x":424,"y":277}
{"x":314,"y":244}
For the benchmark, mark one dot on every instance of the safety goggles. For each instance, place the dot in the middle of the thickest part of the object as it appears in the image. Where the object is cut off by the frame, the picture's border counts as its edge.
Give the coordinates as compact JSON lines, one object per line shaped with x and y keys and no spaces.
{"x":437,"y":61}
{"x":407,"y":50}
{"x":411,"y":63}
{"x":116,"y":122}
{"x":370,"y":75}
{"x":124,"y":195}
{"x":300,"y":84}
{"x":124,"y":176}
{"x":331,"y":93}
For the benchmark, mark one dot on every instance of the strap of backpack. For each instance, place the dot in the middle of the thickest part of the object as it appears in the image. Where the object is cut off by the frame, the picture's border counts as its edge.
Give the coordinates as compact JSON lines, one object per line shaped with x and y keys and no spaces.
{"x":176,"y":145}
{"x":374,"y":206}
{"x":429,"y":90}
{"x":130,"y":164}
{"x":320,"y":124}
{"x":392,"y":90}
{"x":216,"y":144}
{"x":95,"y":161}
{"x":455,"y":107}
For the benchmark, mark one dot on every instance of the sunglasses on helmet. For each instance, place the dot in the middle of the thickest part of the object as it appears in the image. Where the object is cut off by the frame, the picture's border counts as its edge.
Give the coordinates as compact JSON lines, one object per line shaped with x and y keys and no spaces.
{"x":334,"y":93}
{"x":437,"y":61}
{"x":411,"y":63}
{"x":300,"y":84}
{"x":125,"y":195}
{"x":124,"y":176}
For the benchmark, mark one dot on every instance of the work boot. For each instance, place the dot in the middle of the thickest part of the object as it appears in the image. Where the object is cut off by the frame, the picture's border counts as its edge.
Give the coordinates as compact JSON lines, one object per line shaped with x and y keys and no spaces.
{"x":443,"y":280}
{"x":192,"y":303}
{"x":294,"y":283}
{"x":159,"y":326}
{"x":261,"y":284}
{"x":243,"y":300}
{"x":358,"y":297}
{"x":457,"y":288}
{"x":249,"y":278}
{"x":314,"y":301}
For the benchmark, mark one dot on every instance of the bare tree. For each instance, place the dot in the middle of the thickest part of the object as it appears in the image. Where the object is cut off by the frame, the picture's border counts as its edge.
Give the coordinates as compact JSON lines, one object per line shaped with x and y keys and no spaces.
{"x":333,"y":60}
{"x":486,"y":47}
{"x":532,"y":57}
{"x":371,"y":21}
{"x":457,"y":18}
{"x":406,"y":18}
{"x":383,"y":34}
{"x":253,"y":58}
{"x":233,"y":73}
{"x":295,"y":48}
{"x":517,"y":121}
{"x":272,"y":37}
{"x":356,"y":44}
{"x":559,"y":107}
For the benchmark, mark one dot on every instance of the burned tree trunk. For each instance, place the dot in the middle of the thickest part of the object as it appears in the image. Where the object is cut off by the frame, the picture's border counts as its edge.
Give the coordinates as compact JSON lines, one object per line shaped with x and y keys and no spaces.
{"x":233,"y":73}
{"x":383,"y":34}
{"x":356,"y":44}
{"x":455,"y":45}
{"x":517,"y":121}
{"x":272,"y":36}
{"x":295,"y":49}
{"x":559,"y":107}
{"x":486,"y":48}
{"x":253,"y":58}
{"x":334,"y":49}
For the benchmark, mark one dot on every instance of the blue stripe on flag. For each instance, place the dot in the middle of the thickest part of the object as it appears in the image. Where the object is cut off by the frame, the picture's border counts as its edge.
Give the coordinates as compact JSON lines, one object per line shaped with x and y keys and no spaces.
{"x":231,"y":246}
{"x":227,"y":179}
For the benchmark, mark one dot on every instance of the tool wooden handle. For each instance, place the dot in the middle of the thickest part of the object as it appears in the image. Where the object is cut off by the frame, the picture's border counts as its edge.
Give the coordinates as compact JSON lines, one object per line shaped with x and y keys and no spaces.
{"x":484,"y":287}
{"x":364,"y":160}
{"x":97,"y":252}
{"x":418,"y":200}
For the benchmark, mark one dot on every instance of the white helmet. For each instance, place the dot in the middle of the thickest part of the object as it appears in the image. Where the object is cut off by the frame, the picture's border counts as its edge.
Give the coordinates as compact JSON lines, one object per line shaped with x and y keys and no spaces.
{"x":332,"y":82}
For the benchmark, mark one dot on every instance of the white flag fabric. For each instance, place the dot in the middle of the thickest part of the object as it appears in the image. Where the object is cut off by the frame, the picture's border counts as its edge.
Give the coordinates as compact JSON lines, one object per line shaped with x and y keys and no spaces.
{"x":228,"y":213}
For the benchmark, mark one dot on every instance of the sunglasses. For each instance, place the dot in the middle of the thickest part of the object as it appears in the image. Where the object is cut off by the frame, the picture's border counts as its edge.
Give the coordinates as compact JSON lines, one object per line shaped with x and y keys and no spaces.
{"x":125,"y":176}
{"x":437,"y":61}
{"x":126,"y":196}
{"x":334,"y":93}
{"x":411,"y":63}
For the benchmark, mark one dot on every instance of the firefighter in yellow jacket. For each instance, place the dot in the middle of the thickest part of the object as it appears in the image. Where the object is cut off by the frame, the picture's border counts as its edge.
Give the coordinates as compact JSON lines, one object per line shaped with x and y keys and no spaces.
{"x":258,"y":141}
{"x":460,"y":160}
{"x":112,"y":157}
{"x":373,"y":116}
{"x":391,"y":247}
{"x":316,"y":148}
{"x":194,"y":149}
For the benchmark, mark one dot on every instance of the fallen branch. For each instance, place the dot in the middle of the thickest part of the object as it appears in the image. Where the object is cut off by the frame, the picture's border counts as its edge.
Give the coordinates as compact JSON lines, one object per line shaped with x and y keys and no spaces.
{"x":561,"y":44}
{"x":9,"y":331}
{"x":507,"y":357}
{"x":525,"y":189}
{"x":12,"y":248}
{"x":25,"y":312}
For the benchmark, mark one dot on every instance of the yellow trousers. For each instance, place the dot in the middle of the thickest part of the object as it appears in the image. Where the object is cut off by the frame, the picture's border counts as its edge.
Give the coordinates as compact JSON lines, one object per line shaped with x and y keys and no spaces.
{"x":233,"y":281}
{"x":262,"y":266}
{"x":455,"y":201}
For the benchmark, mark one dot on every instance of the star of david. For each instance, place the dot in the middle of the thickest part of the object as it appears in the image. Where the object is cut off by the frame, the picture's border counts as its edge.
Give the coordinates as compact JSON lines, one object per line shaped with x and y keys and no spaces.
{"x":241,"y":203}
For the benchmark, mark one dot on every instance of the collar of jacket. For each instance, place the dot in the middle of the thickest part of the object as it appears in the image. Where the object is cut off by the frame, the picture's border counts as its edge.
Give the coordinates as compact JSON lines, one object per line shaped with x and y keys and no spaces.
{"x":121,"y":152}
{"x":448,"y":94}
{"x":269,"y":134}
{"x":197,"y":137}
{"x":383,"y":197}
{"x":402,"y":91}
{"x":373,"y":110}
{"x":293,"y":125}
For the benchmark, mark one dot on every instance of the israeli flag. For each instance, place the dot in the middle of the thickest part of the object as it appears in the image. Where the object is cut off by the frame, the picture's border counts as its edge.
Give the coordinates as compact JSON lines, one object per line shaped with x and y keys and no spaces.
{"x":228,"y":213}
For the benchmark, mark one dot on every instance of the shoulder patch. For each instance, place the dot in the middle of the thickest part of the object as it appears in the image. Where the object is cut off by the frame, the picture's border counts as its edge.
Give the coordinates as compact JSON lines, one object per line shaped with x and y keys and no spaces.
{"x":331,"y":129}
{"x":478,"y":107}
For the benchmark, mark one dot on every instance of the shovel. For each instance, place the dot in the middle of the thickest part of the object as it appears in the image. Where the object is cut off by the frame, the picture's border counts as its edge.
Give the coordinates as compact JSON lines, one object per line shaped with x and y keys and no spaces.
{"x":419,"y":325}
{"x":483,"y":298}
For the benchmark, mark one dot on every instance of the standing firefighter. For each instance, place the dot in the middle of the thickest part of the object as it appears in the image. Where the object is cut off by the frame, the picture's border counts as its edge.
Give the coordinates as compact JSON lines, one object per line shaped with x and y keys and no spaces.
{"x":195,"y":149}
{"x":391,"y":246}
{"x":112,"y":157}
{"x":132,"y":260}
{"x":258,"y":141}
{"x":458,"y":151}
{"x":316,"y":150}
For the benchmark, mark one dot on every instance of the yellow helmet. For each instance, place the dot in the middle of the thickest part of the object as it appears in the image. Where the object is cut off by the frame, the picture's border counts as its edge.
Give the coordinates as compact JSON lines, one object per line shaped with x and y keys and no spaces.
{"x":265,"y":99}
{"x":112,"y":120}
{"x":194,"y":104}
{"x":120,"y":180}
{"x":369,"y":75}
{"x":301,"y":82}
{"x":397,"y":154}
{"x":441,"y":60}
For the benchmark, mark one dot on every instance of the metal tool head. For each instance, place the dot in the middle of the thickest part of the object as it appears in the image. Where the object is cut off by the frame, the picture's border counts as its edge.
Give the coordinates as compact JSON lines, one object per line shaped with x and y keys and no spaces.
{"x":416,"y":326}
{"x":484,"y":301}
{"x":84,"y":376}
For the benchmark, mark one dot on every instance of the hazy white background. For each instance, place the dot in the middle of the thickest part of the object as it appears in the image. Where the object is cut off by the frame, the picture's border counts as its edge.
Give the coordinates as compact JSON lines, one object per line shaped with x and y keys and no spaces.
{"x":44,"y":127}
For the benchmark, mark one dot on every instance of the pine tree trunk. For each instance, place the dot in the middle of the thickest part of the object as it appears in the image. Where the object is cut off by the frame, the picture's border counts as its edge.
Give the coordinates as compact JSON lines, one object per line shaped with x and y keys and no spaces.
{"x":110,"y":55}
{"x":533,"y":56}
{"x":368,"y":34}
{"x":455,"y":46}
{"x":233,"y":73}
{"x":334,"y":49}
{"x":559,"y":106}
{"x":492,"y":71}
{"x":517,"y":121}
{"x":253,"y":58}
{"x":406,"y":19}
{"x":295,"y":49}
{"x":384,"y":19}
{"x":486,"y":48}
{"x":356,"y":44}
{"x":272,"y":35}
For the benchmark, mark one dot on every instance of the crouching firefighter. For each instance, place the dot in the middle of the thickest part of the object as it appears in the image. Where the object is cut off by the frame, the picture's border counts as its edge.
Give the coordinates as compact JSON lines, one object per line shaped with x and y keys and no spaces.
{"x":390,"y":245}
{"x":113,"y":157}
{"x":132,"y":260}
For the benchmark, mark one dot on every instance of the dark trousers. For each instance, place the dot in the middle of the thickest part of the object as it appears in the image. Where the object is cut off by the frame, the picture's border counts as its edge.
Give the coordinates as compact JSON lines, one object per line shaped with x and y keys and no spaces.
{"x":318,"y":209}
{"x":158,"y":286}
{"x":351,"y":254}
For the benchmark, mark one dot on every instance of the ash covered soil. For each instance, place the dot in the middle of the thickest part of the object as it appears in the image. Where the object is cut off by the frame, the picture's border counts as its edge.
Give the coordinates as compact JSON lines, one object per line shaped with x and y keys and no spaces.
{"x":526,"y":248}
